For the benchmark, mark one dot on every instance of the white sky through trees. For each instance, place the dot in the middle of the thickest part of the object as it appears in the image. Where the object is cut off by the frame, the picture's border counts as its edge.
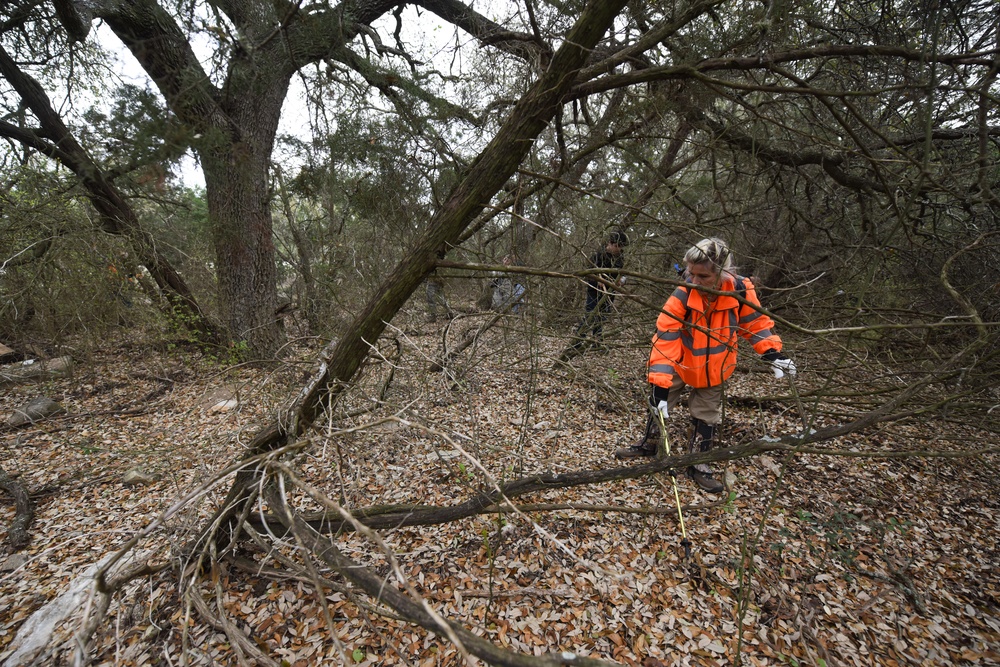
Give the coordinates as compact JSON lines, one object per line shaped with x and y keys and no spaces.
{"x":428,"y":36}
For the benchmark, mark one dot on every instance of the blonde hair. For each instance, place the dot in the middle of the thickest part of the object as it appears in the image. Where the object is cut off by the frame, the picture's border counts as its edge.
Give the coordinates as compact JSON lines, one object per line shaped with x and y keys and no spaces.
{"x":712,"y":251}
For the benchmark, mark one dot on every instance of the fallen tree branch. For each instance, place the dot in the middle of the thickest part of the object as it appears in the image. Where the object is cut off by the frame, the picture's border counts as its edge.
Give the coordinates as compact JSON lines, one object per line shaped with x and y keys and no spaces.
{"x":242,"y":645}
{"x":36,"y":371}
{"x":416,"y":611}
{"x":385,"y":518}
{"x":24,"y":511}
{"x":447,"y":356}
{"x":364,"y":515}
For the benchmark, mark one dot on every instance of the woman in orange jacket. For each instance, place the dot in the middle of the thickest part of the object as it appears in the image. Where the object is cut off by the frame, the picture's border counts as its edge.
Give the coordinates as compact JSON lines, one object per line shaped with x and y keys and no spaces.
{"x":695,"y":345}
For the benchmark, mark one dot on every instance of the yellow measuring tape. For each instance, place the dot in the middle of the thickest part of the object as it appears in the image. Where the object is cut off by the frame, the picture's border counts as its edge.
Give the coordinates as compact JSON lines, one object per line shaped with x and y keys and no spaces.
{"x":685,"y":542}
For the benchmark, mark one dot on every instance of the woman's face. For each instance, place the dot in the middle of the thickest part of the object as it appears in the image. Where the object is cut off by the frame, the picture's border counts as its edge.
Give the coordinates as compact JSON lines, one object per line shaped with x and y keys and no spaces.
{"x":703,"y":275}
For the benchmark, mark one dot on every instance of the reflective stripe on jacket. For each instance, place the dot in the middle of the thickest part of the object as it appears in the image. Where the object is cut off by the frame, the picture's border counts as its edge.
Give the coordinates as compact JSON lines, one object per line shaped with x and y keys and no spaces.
{"x":698,"y":342}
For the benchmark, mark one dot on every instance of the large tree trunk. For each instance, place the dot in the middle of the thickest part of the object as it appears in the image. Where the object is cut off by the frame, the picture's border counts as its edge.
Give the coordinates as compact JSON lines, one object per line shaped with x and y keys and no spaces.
{"x":236,"y":126}
{"x":236,"y":162}
{"x":239,"y":207}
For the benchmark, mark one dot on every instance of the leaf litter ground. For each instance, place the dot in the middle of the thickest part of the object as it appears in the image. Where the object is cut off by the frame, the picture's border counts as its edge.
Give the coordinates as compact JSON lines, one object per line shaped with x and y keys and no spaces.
{"x":859,"y":561}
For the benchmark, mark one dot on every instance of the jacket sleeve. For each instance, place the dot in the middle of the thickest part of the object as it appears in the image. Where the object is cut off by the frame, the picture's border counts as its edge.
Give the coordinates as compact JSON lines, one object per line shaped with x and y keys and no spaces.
{"x":667,"y":345}
{"x":756,"y":327}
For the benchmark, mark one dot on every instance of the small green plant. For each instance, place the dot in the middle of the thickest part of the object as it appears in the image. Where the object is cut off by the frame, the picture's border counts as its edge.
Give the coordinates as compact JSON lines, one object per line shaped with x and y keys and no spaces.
{"x":491,"y":547}
{"x":836,"y":535}
{"x":730,"y":506}
{"x":901,"y":527}
{"x":183,"y":326}
{"x":237,"y":352}
{"x":358,"y":655}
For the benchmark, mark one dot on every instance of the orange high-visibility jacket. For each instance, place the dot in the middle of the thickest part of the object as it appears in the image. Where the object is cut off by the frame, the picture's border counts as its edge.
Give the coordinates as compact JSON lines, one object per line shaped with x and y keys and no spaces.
{"x":698,"y":342}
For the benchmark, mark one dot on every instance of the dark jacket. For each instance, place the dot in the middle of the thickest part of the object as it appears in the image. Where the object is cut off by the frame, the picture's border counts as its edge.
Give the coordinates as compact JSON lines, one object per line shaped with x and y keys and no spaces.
{"x":602,"y":259}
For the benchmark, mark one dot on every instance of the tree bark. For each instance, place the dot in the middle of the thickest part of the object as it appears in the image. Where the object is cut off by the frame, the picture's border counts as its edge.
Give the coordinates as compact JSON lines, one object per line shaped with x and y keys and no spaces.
{"x":17,"y":532}
{"x":238,"y":195}
{"x":59,"y":367}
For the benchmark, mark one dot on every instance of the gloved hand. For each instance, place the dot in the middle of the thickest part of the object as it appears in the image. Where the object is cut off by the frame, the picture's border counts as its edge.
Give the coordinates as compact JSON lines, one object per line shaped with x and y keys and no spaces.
{"x":780,"y":364}
{"x":664,"y":409}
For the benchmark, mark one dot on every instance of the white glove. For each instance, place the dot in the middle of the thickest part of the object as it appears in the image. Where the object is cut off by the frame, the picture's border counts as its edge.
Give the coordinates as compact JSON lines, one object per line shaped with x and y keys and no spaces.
{"x":663,"y":408}
{"x":782,"y":366}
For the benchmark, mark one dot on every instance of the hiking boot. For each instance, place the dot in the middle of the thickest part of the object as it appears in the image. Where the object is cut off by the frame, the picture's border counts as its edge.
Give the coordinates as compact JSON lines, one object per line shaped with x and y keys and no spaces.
{"x":636,"y":451}
{"x":705,"y":480}
{"x":702,"y":440}
{"x":647,"y":444}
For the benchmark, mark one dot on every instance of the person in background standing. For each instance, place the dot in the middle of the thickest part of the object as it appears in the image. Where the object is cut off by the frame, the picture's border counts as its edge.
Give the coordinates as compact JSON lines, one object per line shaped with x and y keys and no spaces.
{"x":508,"y":294}
{"x":436,"y":299}
{"x":600,"y":291}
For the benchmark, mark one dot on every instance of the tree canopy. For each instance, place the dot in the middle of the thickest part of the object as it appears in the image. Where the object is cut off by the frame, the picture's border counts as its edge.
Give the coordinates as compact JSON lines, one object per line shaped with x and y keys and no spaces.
{"x":700,"y":112}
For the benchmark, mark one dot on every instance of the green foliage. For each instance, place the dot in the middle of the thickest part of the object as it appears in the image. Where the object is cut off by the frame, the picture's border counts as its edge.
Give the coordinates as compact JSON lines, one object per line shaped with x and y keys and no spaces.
{"x":133,"y":128}
{"x":183,"y":234}
{"x":356,"y":207}
{"x":836,"y":533}
{"x":730,"y":505}
{"x":181,"y":330}
{"x":60,"y":278}
{"x":237,"y":352}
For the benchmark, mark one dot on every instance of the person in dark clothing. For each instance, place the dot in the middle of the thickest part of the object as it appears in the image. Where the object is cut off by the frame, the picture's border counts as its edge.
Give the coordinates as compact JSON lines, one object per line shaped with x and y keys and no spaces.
{"x":601,"y":287}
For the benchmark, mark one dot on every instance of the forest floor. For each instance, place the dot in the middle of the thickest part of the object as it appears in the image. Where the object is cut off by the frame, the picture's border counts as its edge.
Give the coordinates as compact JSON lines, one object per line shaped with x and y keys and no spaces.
{"x":813,"y":560}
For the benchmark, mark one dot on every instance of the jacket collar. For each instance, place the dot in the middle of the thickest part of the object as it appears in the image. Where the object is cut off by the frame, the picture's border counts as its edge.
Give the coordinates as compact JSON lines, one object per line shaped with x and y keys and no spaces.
{"x":696,"y":300}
